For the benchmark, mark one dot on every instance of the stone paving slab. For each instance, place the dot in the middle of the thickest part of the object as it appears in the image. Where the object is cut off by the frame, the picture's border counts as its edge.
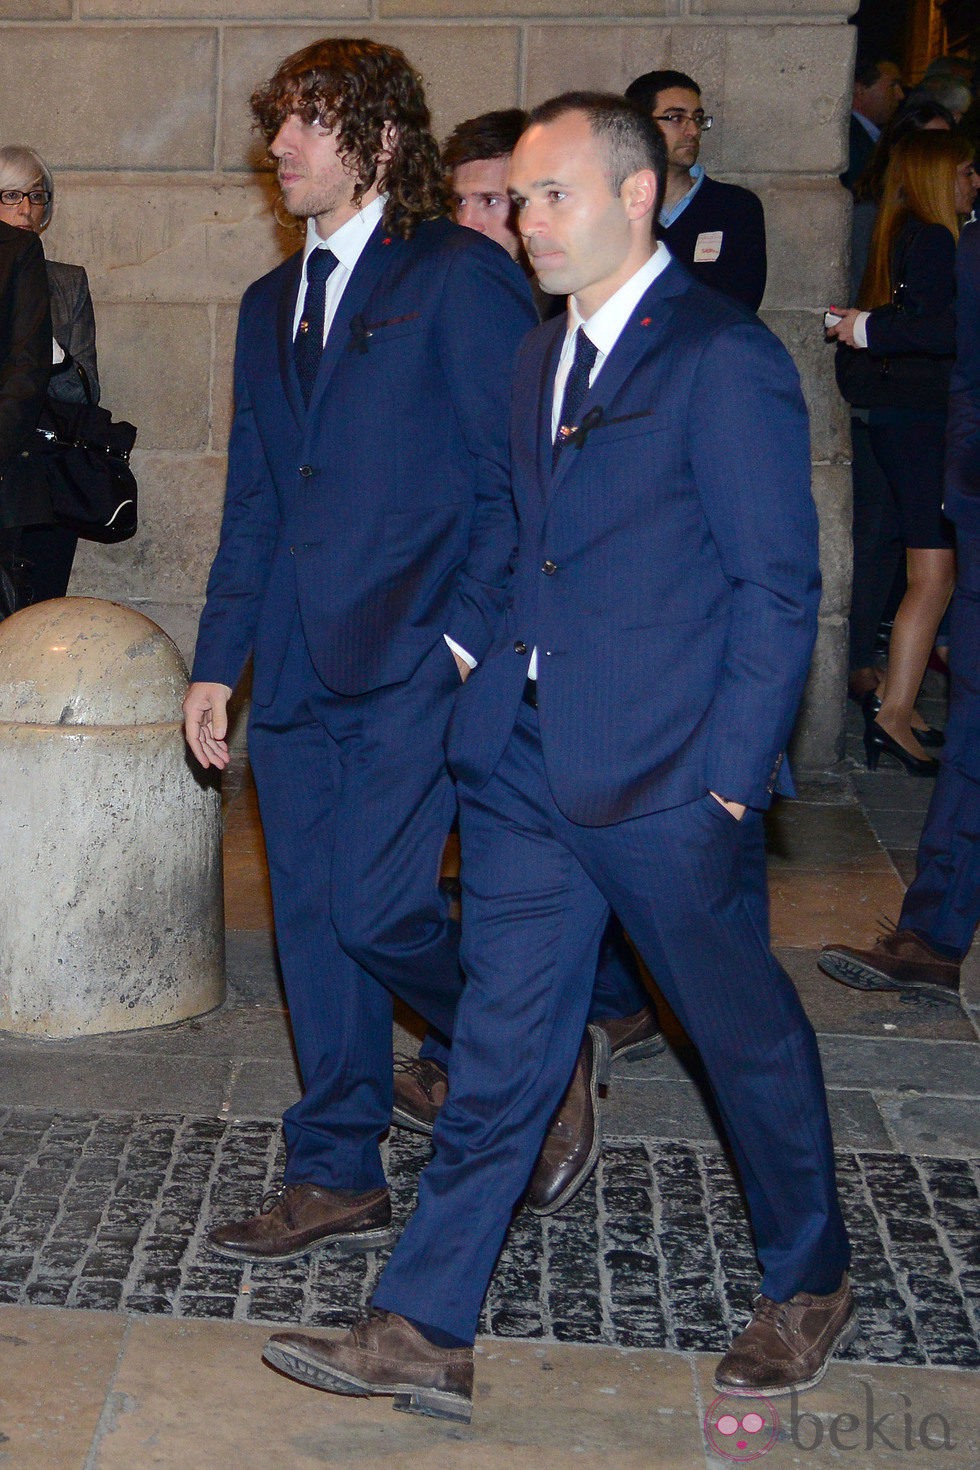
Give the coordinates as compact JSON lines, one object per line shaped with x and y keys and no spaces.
{"x":110,"y":1213}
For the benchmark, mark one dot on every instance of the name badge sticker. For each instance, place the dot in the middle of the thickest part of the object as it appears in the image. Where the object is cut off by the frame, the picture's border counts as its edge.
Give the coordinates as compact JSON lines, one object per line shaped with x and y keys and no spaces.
{"x":707,"y":246}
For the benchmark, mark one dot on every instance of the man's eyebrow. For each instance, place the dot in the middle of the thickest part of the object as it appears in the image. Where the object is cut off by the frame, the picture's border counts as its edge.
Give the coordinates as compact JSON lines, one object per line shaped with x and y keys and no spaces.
{"x":538,"y":184}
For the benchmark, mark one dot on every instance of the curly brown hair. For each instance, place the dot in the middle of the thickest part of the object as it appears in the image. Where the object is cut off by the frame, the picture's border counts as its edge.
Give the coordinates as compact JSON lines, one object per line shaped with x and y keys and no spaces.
{"x":355,"y":87}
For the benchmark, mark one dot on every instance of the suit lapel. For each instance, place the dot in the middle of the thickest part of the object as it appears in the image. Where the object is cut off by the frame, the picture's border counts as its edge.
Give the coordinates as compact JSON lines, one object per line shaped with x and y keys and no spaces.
{"x":288,"y":292}
{"x":648,"y":324}
{"x":546,"y":397}
{"x":375,"y":259}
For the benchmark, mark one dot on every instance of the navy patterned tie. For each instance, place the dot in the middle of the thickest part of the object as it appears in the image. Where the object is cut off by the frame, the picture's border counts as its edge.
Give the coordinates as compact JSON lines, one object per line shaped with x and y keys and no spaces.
{"x":576,"y":387}
{"x":308,"y":345}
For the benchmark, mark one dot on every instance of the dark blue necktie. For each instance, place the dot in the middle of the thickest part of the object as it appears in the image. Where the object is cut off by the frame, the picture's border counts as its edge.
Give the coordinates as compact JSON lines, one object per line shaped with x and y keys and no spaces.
{"x":308,"y":345}
{"x":576,"y":387}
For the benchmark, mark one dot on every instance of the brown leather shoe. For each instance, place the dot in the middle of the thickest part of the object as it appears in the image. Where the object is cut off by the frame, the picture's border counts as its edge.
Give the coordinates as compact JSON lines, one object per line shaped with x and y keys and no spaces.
{"x":633,"y":1037}
{"x":899,"y":960}
{"x":421,"y":1088}
{"x":297,"y":1217}
{"x":381,"y":1354}
{"x":571,"y":1147}
{"x":787,"y":1345}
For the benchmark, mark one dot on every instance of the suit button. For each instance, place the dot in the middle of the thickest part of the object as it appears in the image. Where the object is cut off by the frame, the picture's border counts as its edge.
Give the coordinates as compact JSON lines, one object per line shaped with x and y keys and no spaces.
{"x":520,"y":646}
{"x":549,"y":568}
{"x":306,"y":470}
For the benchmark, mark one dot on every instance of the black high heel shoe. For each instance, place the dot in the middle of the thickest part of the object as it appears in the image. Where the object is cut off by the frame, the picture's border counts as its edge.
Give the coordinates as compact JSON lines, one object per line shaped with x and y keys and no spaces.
{"x":929,"y":738}
{"x":877,"y":740}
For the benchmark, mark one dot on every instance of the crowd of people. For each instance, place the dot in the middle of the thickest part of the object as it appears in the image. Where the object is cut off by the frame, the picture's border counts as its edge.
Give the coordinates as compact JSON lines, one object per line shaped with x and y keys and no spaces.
{"x":483,"y":504}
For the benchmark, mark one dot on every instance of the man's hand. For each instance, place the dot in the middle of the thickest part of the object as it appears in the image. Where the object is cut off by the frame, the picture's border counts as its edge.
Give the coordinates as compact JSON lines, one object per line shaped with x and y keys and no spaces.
{"x":737,"y":808}
{"x":206,"y":723}
{"x":464,"y":669}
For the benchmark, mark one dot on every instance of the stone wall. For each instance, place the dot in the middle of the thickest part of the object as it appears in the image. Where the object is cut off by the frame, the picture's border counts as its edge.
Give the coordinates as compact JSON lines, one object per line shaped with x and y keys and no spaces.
{"x":140,"y":107}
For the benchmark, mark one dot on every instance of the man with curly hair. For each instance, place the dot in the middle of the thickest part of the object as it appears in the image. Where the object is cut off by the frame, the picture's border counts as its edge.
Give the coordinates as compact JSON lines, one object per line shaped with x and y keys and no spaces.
{"x":363,"y":562}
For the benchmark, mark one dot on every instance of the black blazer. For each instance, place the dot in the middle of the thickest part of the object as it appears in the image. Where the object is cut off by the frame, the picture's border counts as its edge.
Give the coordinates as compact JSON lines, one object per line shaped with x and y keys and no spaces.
{"x":918,"y":334}
{"x":25,"y":346}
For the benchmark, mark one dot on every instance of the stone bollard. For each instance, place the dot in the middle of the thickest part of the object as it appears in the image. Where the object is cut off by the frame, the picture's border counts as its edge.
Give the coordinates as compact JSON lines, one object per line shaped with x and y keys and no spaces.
{"x":111,"y":907}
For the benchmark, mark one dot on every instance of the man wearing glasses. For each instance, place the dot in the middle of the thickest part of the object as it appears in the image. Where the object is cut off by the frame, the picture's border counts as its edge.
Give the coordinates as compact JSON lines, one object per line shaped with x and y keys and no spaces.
{"x":717,"y":230}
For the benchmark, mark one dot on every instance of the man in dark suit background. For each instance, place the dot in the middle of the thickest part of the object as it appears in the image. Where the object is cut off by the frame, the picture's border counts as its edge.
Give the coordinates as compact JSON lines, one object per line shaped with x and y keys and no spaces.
{"x":364,"y":554}
{"x":615,"y":750}
{"x":717,"y":230}
{"x":25,"y":366}
{"x":877,"y":93}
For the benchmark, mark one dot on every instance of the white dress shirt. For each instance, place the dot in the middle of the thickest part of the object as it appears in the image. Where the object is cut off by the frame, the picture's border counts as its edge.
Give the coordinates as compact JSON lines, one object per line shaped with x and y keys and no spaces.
{"x":347,"y":243}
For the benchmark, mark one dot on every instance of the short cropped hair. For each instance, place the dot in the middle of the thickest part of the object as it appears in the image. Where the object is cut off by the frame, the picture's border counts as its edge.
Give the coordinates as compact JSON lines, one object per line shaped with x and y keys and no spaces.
{"x":491,"y":135}
{"x":630,"y":137}
{"x":646,"y":89}
{"x":867,"y":68}
{"x":20,"y":167}
{"x":356,"y":87}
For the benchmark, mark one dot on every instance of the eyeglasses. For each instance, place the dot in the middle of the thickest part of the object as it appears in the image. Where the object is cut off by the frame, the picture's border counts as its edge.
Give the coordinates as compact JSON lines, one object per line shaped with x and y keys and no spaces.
{"x":13,"y":197}
{"x":700,"y":120}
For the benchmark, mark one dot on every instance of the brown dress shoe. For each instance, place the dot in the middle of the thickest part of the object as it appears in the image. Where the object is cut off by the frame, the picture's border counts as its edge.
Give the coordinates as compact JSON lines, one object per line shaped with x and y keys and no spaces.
{"x":633,"y":1037}
{"x":421,"y":1088}
{"x":381,"y":1354}
{"x":899,"y":961}
{"x":787,"y":1345}
{"x":297,"y":1217}
{"x":571,"y":1147}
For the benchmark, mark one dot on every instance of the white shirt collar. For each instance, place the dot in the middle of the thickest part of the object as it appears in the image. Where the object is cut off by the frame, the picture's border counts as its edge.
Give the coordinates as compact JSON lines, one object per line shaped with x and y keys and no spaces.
{"x":604,"y":326}
{"x":349,"y":240}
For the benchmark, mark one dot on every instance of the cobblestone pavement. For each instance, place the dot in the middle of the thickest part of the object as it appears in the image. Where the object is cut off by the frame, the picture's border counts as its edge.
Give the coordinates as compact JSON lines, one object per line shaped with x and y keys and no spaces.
{"x":110,"y":1212}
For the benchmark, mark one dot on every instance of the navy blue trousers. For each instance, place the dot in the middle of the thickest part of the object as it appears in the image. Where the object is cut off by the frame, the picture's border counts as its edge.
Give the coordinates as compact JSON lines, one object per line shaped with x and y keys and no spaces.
{"x":943,"y":903}
{"x":688,"y":884}
{"x":356,"y":804}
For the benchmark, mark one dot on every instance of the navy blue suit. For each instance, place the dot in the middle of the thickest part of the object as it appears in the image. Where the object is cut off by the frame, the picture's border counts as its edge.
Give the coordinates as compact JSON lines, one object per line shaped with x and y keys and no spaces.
{"x":942,"y":904}
{"x":667,"y":574}
{"x":355,"y":535}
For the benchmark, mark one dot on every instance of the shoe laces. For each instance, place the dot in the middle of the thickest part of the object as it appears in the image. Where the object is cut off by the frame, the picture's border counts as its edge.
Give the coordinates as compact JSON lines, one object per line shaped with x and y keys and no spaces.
{"x":420,"y":1069}
{"x":280,"y":1197}
{"x":764,"y":1309}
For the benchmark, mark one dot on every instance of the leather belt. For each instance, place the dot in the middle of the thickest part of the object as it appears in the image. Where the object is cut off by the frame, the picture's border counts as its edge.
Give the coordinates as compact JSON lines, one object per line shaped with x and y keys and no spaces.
{"x":530,"y":694}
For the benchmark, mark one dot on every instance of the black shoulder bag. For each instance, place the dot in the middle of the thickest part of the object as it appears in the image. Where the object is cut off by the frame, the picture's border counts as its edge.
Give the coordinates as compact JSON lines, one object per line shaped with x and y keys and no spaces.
{"x":85,"y":457}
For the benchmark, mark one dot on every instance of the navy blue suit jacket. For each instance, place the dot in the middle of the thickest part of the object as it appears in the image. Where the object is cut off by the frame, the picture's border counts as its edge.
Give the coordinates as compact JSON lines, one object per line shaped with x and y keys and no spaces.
{"x":667,"y":572}
{"x":384,"y":511}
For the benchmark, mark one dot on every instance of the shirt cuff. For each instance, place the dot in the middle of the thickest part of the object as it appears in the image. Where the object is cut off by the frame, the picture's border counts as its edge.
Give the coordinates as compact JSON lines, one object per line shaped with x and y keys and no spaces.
{"x":467,"y":658}
{"x":861,"y":329}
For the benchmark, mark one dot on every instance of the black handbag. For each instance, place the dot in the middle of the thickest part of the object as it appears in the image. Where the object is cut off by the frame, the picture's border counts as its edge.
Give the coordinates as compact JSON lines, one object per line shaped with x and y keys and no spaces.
{"x":85,"y":457}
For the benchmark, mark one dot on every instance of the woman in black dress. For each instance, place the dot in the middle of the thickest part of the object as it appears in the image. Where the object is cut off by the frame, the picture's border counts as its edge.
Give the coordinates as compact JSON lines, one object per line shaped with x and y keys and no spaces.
{"x":905,"y":322}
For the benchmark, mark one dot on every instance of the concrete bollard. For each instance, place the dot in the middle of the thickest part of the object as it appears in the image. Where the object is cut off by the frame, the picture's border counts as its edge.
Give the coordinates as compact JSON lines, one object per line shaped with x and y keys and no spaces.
{"x":111,"y":907}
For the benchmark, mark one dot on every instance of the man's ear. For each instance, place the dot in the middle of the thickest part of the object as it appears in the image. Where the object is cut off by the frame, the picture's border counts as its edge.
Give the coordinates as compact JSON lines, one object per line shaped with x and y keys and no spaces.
{"x":639,"y":193}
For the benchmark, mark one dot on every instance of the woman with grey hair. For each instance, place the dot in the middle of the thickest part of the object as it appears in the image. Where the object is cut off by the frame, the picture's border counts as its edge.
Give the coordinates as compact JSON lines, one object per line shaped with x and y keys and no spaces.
{"x":27,"y":202}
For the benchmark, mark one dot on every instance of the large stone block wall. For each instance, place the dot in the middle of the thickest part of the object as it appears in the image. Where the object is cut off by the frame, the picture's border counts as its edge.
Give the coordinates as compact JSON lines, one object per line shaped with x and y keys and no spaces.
{"x":140,"y":107}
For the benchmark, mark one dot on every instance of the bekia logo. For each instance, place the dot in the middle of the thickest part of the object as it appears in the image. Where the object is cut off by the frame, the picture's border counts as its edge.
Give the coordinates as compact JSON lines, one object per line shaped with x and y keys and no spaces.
{"x":741,"y":1429}
{"x":744,"y":1429}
